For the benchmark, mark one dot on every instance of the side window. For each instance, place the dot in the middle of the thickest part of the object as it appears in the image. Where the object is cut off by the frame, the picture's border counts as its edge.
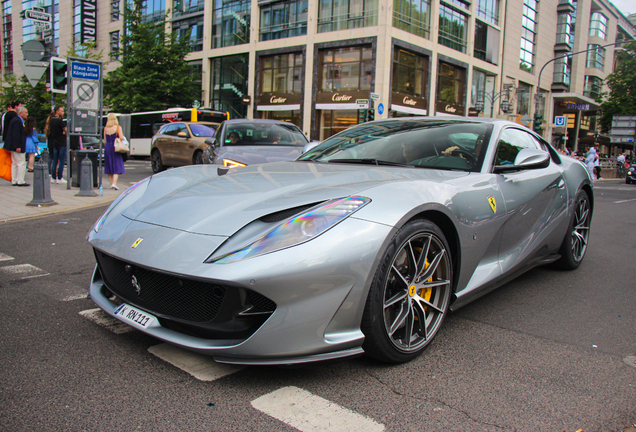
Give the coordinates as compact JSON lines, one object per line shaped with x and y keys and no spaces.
{"x":180,"y":127}
{"x":169,"y":130}
{"x":511,"y":142}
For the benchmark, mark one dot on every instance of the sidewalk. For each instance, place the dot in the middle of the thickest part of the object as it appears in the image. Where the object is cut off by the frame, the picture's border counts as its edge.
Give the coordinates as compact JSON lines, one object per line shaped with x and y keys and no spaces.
{"x":13,"y":200}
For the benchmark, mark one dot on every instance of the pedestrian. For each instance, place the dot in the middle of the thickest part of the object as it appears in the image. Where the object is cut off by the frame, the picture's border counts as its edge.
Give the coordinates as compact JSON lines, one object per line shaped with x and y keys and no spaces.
{"x":590,"y":159}
{"x":47,"y":134}
{"x":113,"y":161}
{"x":57,"y":142}
{"x":9,"y":108}
{"x":15,"y":142}
{"x":32,"y":142}
{"x":8,"y":116}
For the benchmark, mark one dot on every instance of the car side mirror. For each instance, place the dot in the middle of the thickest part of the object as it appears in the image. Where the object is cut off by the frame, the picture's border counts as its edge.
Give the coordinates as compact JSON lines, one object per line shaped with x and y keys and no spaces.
{"x":210,"y":141}
{"x":310,"y":145}
{"x":526,"y":159}
{"x":182,"y":134}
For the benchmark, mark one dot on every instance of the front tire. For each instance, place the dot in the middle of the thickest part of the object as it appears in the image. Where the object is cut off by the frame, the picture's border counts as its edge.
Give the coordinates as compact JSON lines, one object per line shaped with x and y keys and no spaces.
{"x":574,"y":244}
{"x":197,"y":159}
{"x":155,"y":162}
{"x":410,"y":294}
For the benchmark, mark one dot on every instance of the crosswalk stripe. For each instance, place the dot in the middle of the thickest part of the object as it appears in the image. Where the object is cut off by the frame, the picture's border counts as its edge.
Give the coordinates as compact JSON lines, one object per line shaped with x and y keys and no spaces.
{"x":309,"y":413}
{"x":101,"y":318}
{"x":26,"y":271}
{"x":202,"y":367}
{"x":5,"y":257}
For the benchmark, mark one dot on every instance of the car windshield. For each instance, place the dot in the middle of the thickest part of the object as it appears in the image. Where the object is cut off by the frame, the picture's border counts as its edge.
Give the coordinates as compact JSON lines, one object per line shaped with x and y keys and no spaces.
{"x":264,"y":134}
{"x":200,"y":130}
{"x":438,"y":144}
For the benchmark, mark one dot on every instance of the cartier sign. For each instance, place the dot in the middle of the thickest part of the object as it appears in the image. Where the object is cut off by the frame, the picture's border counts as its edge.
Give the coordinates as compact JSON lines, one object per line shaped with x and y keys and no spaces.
{"x":408,"y":101}
{"x":448,"y":108}
{"x":278,"y":99}
{"x":341,"y":97}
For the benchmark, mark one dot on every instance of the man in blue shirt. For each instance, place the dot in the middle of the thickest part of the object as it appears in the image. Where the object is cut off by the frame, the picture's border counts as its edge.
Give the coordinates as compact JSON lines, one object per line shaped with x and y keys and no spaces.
{"x":15,"y":142}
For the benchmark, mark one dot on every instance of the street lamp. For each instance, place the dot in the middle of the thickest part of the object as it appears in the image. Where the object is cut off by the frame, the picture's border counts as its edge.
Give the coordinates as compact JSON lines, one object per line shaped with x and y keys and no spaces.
{"x":492,"y":98}
{"x":537,"y":117}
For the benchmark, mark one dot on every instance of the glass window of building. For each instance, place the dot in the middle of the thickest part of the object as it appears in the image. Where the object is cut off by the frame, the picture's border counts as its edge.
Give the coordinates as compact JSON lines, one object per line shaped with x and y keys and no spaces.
{"x":595,"y":57}
{"x":114,"y":46}
{"x":452,"y":28}
{"x":412,"y":16}
{"x":593,"y":87}
{"x":561,"y":74}
{"x":461,"y":3}
{"x":564,"y":30}
{"x":7,"y":37}
{"x":283,"y":19}
{"x":488,"y":10}
{"x":281,"y":73}
{"x":486,"y":42}
{"x":528,"y":35}
{"x":229,"y":84}
{"x":598,"y":25}
{"x":523,"y":98}
{"x":185,"y":7}
{"x":153,"y":10}
{"x":115,"y":8}
{"x":191,"y":29}
{"x":346,"y":14}
{"x":231,"y":23}
{"x":347,"y":68}
{"x":410,"y":73}
{"x":483,"y":89}
{"x":451,"y":88}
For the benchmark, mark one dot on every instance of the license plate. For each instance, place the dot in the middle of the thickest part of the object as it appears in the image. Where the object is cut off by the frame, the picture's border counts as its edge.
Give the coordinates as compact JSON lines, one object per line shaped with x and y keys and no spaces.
{"x":134,"y":316}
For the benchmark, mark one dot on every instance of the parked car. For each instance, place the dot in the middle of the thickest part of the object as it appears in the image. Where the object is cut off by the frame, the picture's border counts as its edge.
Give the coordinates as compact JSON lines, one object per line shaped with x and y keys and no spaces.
{"x":244,"y":142}
{"x":361,"y":245}
{"x":179,"y":144}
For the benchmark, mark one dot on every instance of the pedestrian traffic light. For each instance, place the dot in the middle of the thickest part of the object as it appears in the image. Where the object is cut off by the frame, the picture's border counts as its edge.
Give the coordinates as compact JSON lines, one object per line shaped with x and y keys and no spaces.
{"x":371,"y":115}
{"x":57,"y":70}
{"x":362,"y":116}
{"x":538,"y":123}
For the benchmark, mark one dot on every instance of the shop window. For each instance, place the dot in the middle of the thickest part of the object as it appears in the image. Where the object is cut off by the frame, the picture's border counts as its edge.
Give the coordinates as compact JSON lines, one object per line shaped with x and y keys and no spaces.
{"x":486,"y":42}
{"x":528,"y":35}
{"x":523,"y":98}
{"x":452,"y":28}
{"x":451,"y":85}
{"x":595,"y":57}
{"x":598,"y":25}
{"x":283,"y":19}
{"x":346,"y":14}
{"x":412,"y":16}
{"x":593,"y":87}
{"x":230,"y":23}
{"x":346,"y":69}
{"x":488,"y":10}
{"x":281,"y":73}
{"x":410,"y":73}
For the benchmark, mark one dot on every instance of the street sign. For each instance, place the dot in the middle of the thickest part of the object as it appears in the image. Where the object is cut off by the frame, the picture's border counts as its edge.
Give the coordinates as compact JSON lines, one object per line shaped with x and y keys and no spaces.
{"x":362,"y":103}
{"x":85,"y":71}
{"x":381,"y":109}
{"x":33,"y":51}
{"x":85,"y":95}
{"x":375,"y":96}
{"x":525,"y":119}
{"x":35,"y":15}
{"x":33,"y":70}
{"x":560,"y":121}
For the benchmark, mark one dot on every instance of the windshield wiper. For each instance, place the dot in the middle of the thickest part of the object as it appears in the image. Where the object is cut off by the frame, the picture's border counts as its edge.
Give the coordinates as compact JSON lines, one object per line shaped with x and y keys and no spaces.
{"x":369,"y":161}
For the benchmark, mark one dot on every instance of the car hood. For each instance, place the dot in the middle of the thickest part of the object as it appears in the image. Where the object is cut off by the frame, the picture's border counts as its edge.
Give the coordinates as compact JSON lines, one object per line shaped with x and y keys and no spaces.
{"x":251,"y":155}
{"x":197,"y":200}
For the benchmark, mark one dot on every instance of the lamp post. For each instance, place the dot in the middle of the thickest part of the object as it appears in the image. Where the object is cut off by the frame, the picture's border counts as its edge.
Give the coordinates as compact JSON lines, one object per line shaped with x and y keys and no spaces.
{"x":537,"y":116}
{"x":492,"y":98}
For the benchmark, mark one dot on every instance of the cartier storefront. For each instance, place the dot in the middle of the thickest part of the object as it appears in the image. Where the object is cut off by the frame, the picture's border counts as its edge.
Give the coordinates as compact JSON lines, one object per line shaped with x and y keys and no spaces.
{"x":451,"y":87}
{"x":409,"y":80}
{"x":281,"y":106}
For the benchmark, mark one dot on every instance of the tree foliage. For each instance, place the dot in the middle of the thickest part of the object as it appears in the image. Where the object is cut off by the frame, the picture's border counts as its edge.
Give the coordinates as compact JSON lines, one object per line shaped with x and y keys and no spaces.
{"x":153,"y":74}
{"x":36,"y":99}
{"x":621,"y":98}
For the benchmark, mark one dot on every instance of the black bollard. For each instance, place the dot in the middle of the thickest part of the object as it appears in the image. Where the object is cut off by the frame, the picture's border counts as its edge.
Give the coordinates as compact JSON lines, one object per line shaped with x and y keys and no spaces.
{"x":41,"y":185}
{"x":86,"y":179}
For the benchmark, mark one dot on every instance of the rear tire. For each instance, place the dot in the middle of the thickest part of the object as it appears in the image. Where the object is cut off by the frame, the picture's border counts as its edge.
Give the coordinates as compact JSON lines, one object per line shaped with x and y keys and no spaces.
{"x":410,"y":294}
{"x":155,"y":162}
{"x":574,"y":244}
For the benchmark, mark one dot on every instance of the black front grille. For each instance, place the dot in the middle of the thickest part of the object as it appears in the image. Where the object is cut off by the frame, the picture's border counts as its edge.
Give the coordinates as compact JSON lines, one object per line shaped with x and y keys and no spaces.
{"x":163,"y":294}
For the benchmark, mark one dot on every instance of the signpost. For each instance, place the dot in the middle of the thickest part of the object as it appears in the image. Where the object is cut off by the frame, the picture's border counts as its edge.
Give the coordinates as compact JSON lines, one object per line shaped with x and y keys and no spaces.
{"x":362,"y":103}
{"x":560,"y":121}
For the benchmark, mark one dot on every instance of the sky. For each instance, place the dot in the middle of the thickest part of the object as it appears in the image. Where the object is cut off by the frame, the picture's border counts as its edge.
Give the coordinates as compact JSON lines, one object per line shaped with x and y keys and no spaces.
{"x":625,"y":6}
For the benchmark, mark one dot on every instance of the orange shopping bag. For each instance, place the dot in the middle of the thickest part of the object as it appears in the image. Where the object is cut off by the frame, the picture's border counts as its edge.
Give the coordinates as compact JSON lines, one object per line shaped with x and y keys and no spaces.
{"x":5,"y":164}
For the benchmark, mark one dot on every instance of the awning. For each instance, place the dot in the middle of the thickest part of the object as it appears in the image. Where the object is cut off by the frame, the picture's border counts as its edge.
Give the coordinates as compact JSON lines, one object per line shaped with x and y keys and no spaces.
{"x":408,"y":110}
{"x":278,"y":107}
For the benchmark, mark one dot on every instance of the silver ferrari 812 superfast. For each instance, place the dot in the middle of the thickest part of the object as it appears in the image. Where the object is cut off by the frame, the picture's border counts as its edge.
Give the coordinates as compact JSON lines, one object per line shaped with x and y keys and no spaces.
{"x":361,"y":245}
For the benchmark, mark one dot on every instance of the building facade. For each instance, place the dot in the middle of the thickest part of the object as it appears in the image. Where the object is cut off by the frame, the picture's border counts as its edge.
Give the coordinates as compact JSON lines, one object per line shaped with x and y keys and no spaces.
{"x":309,"y":61}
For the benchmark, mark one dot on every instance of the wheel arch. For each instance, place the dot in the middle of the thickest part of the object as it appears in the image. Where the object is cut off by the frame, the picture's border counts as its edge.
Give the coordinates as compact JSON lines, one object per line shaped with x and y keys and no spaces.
{"x":590,"y":195}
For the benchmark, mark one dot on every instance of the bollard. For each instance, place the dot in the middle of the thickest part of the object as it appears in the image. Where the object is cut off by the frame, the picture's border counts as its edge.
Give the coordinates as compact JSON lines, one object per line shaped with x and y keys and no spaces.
{"x":41,"y":185}
{"x":86,"y":179}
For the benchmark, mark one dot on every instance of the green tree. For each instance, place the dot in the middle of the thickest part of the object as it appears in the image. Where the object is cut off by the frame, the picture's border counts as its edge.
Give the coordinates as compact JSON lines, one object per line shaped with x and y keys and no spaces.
{"x":36,"y":99}
{"x":153,"y":74}
{"x":621,"y":98}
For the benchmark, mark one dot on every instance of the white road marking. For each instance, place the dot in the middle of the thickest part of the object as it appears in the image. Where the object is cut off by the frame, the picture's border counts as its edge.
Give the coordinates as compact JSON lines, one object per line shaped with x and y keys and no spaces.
{"x":74,"y":297}
{"x":101,"y":318}
{"x":25,"y":270}
{"x":5,"y":257}
{"x":631,"y":360}
{"x":624,"y":201}
{"x":202,"y":367}
{"x":309,"y":413}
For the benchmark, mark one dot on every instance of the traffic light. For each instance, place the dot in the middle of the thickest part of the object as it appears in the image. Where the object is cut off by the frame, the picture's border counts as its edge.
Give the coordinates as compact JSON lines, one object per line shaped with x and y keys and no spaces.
{"x":538,"y":123}
{"x":371,"y":115}
{"x":362,"y":116}
{"x":57,"y":69}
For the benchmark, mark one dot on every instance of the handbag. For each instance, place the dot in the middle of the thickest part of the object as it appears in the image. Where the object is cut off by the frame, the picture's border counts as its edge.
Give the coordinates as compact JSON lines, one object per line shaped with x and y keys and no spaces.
{"x":121,"y":145}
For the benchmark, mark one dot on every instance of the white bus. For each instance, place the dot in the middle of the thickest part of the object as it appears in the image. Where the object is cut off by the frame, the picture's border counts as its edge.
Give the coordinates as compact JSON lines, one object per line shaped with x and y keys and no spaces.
{"x":139,"y":128}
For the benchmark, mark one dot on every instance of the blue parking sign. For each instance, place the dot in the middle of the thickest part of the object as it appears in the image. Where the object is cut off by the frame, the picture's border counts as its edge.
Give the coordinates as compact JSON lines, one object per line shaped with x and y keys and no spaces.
{"x":381,"y":109}
{"x":560,"y":121}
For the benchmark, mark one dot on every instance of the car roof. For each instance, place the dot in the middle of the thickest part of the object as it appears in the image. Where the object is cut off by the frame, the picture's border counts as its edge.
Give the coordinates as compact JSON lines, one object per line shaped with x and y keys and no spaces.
{"x":257,"y":121}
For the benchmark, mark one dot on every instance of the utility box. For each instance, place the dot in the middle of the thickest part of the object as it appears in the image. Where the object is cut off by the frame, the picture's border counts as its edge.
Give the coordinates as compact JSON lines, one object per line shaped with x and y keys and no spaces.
{"x":77,"y":156}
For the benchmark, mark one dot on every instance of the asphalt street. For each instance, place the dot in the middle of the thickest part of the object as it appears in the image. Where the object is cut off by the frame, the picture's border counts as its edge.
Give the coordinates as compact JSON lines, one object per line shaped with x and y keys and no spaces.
{"x":550,"y":351}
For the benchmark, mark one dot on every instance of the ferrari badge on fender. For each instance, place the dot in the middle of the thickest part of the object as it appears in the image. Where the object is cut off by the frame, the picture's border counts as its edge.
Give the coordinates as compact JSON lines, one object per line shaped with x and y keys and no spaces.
{"x":139,"y":240}
{"x":492,"y":202}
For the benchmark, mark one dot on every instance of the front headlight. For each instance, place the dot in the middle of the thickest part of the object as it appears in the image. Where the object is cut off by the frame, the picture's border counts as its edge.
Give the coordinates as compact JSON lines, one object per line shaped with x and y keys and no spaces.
{"x":629,"y":173}
{"x":229,"y":163}
{"x":298,"y":229}
{"x":100,"y":222}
